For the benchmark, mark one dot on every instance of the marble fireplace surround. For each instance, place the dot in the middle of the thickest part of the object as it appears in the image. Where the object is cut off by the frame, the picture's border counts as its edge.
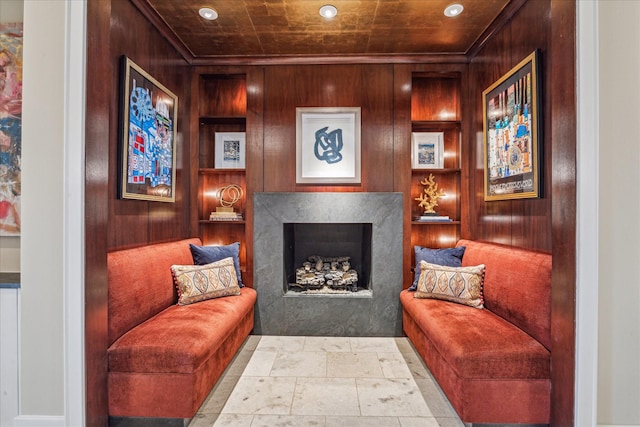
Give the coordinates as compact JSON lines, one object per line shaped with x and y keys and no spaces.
{"x":376,"y":313}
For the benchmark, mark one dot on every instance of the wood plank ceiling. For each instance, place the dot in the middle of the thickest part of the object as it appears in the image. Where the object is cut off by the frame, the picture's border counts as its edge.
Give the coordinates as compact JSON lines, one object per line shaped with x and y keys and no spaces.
{"x":274,"y":28}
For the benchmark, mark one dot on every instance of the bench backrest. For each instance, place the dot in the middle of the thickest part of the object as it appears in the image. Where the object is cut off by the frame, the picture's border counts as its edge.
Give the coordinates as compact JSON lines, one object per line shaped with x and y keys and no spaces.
{"x":517,"y":285}
{"x":141,"y":284}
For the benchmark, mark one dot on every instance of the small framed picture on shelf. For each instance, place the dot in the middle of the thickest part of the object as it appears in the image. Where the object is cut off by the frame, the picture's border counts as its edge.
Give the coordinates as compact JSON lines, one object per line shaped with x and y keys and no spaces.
{"x":427,"y":151}
{"x":230,"y":150}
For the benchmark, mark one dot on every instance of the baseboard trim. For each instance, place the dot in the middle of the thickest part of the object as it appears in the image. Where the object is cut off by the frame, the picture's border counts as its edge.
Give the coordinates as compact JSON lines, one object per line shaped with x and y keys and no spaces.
{"x":503,"y":425}
{"x":38,"y":421}
{"x":148,"y":422}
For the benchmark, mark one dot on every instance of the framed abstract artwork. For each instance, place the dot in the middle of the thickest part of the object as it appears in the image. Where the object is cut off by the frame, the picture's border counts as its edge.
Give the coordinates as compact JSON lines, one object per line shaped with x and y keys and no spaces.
{"x":511,"y":134}
{"x":328,"y":145}
{"x":148,"y":118}
{"x":10,"y":128}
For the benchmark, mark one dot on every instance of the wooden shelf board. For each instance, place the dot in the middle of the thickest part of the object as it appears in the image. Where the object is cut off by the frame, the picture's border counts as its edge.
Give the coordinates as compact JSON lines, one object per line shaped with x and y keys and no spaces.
{"x":435,"y":171}
{"x":435,"y":123}
{"x":206,"y":221}
{"x":435,"y":222}
{"x":214,"y":171}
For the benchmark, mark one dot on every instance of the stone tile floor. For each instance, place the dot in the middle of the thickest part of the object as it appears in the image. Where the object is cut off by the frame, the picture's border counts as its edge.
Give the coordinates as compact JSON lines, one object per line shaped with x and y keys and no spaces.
{"x":326,"y":381}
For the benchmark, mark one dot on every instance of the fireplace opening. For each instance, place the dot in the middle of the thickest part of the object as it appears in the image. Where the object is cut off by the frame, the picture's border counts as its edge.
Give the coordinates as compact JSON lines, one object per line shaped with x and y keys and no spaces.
{"x":330,"y":257}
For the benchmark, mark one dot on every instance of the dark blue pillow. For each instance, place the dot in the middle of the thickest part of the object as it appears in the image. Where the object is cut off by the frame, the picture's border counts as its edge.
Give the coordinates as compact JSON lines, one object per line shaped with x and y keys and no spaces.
{"x":207,"y":254}
{"x":450,"y":257}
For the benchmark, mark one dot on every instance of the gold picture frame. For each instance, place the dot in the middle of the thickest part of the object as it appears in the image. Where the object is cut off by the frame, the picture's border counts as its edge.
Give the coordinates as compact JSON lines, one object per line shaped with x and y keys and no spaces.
{"x":148,"y":116}
{"x":511,"y":134}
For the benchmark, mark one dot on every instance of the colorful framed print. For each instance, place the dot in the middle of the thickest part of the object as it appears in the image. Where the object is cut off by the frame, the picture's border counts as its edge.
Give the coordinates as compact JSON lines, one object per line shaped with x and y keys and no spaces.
{"x":427,"y":150}
{"x":10,"y":128}
{"x":511,"y":134}
{"x":230,"y":150}
{"x":149,"y":114}
{"x":328,"y":145}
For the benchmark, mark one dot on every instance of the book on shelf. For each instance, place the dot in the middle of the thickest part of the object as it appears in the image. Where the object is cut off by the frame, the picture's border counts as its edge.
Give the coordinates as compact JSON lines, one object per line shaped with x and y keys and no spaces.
{"x":225,"y":216}
{"x":432,"y":218}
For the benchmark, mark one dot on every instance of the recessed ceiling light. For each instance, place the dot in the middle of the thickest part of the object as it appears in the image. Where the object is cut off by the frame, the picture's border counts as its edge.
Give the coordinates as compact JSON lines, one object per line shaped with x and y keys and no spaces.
{"x":328,"y":11}
{"x":453,"y":10}
{"x":208,"y":13}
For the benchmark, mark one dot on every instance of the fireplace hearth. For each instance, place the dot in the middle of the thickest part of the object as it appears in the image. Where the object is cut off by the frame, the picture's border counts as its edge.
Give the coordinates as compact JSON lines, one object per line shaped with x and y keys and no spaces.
{"x":292,"y":228}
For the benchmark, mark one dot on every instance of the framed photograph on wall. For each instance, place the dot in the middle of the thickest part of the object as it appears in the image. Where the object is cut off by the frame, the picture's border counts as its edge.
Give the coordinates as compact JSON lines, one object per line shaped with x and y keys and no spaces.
{"x":427,"y":151}
{"x":328,"y":145}
{"x":148,"y":115}
{"x":511,"y":134}
{"x":230,"y":150}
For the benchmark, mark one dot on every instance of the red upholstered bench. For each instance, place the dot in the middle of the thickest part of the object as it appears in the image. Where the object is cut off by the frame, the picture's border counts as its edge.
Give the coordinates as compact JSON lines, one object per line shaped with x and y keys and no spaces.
{"x":164,"y":358}
{"x":492,"y":363}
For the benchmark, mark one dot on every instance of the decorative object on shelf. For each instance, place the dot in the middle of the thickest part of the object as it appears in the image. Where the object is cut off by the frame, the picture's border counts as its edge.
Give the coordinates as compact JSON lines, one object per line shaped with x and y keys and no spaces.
{"x":148,"y":140}
{"x":427,"y":150}
{"x":328,"y":145}
{"x":229,"y":195}
{"x":432,"y":218}
{"x":511,"y":149}
{"x":221,"y":215}
{"x":230,"y":152}
{"x":430,"y":196}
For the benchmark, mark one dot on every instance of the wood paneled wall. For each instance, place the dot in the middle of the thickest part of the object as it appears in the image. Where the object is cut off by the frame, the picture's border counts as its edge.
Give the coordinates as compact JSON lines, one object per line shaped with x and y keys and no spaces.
{"x":367,"y":86}
{"x":114,"y":28}
{"x":547,"y":224}
{"x":136,"y":222}
{"x":524,"y":223}
{"x":99,"y":70}
{"x":563,"y":104}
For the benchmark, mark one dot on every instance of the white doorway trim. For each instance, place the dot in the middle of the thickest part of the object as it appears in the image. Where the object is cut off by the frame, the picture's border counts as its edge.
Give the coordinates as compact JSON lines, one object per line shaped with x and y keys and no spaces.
{"x":586,"y":351}
{"x":73,"y":235}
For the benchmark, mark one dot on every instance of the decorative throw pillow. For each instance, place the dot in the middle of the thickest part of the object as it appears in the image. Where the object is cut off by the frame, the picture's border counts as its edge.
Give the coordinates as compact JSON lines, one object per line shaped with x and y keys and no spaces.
{"x":456,"y":284}
{"x":203,"y":255}
{"x":201,"y":282}
{"x":451,"y":257}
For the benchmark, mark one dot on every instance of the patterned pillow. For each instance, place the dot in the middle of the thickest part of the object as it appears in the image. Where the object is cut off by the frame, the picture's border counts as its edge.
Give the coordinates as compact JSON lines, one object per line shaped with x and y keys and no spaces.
{"x":451,"y":257}
{"x":201,"y":282}
{"x":462,"y":285}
